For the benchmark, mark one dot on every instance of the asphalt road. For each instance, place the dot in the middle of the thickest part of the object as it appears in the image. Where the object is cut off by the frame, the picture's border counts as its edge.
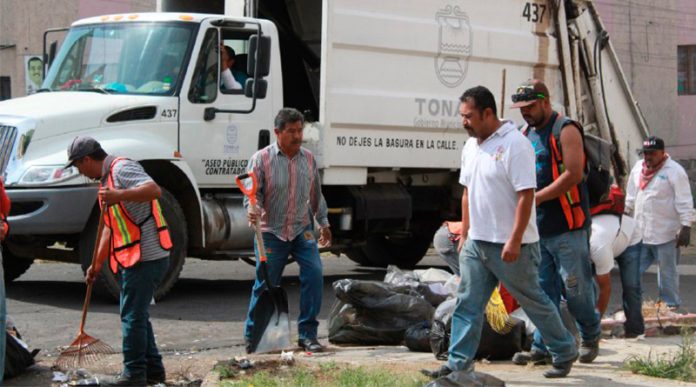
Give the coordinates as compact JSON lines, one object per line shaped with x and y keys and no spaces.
{"x":206,"y":308}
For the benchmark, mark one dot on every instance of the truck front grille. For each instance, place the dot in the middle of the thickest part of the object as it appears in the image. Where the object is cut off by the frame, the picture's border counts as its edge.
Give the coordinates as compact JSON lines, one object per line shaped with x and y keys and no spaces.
{"x":8,"y":135}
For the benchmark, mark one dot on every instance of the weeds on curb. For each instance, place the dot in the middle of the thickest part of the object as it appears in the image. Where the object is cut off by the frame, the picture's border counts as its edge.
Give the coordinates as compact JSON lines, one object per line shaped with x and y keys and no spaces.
{"x":679,"y":365}
{"x":326,"y":374}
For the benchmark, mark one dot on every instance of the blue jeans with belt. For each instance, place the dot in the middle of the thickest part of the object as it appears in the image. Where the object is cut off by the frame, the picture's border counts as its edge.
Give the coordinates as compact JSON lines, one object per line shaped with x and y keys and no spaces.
{"x":306,"y":252}
{"x":629,"y":269}
{"x":481,"y":268}
{"x":138,"y":285}
{"x":565,"y":269}
{"x":667,"y":257}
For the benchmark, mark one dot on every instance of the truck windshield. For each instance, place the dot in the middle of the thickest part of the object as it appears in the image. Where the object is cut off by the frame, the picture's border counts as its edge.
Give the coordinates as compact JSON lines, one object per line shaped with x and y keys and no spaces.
{"x":124,"y":58}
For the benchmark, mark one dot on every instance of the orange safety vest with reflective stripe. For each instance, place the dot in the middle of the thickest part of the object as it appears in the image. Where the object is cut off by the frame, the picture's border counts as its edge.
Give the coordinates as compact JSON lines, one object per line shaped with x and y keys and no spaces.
{"x":125,"y":233}
{"x":571,"y":202}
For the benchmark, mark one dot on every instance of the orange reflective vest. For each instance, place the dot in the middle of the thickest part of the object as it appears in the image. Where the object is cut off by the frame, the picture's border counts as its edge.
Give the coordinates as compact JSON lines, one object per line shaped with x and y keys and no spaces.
{"x":571,"y":202}
{"x":125,"y":233}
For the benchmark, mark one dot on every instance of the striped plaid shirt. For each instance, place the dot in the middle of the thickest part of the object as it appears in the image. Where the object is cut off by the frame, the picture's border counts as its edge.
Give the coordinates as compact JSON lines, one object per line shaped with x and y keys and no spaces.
{"x":289,"y":191}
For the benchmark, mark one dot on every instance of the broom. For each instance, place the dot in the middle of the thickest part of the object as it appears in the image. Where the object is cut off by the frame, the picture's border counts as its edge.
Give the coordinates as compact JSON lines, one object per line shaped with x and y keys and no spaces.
{"x":497,"y":315}
{"x":85,"y":349}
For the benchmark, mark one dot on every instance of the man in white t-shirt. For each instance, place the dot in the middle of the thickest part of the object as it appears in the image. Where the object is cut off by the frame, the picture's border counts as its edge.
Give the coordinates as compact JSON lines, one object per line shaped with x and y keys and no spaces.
{"x":499,"y":239}
{"x":617,"y":237}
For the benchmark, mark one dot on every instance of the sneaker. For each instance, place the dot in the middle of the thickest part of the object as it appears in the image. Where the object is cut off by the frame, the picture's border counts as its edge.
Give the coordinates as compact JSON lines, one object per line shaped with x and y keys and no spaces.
{"x":438,"y":373}
{"x":560,"y":370}
{"x":589,"y":351}
{"x":535,"y":357}
{"x":122,"y":380}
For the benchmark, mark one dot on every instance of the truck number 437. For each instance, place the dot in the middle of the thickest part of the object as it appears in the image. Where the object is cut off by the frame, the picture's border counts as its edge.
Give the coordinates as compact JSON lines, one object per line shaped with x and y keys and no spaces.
{"x":168,"y":113}
{"x":534,"y":12}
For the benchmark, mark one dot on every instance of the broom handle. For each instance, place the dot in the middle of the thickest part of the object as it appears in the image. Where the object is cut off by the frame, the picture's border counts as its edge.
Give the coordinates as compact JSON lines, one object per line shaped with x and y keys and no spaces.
{"x":88,"y":295}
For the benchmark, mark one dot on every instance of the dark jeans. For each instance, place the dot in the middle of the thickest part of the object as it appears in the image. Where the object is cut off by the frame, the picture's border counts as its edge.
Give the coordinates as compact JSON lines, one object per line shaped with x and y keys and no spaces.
{"x":629,"y":266}
{"x":138,"y":284}
{"x":306,"y":253}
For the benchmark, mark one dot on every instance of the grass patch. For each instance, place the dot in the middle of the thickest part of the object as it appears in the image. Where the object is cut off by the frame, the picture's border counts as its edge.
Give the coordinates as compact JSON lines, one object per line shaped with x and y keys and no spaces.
{"x":680,"y":365}
{"x":324,"y":374}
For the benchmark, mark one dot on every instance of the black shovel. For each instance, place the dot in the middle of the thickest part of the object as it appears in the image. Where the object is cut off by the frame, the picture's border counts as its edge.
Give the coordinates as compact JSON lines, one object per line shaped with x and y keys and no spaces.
{"x":271,"y":329}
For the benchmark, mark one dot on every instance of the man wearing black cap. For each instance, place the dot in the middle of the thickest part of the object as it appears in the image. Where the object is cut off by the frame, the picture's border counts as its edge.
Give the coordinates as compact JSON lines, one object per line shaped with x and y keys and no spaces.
{"x":563,"y":217}
{"x":659,"y":195}
{"x":136,"y":241}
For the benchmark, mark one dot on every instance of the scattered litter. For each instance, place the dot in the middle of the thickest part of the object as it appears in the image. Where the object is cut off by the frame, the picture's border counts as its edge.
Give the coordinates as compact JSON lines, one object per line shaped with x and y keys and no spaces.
{"x":59,"y":377}
{"x":243,"y":362}
{"x":432,"y":275}
{"x":80,"y":377}
{"x":287,"y":357}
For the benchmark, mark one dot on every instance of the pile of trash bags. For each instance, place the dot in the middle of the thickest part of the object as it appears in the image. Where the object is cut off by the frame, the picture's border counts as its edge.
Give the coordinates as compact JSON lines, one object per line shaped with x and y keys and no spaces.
{"x":413,"y":308}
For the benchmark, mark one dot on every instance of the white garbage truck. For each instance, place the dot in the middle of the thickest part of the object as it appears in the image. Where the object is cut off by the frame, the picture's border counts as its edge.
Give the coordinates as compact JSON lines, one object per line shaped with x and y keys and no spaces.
{"x":379,"y":82}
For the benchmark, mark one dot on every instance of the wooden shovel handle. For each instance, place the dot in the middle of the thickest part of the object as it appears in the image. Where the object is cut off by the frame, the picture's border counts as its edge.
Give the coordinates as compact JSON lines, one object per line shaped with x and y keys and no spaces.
{"x":88,"y":294}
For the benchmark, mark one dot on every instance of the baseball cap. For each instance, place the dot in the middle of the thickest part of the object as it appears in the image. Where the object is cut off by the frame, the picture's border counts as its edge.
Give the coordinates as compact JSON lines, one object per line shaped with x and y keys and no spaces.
{"x":528,"y":93}
{"x":81,"y":146}
{"x":653,"y":143}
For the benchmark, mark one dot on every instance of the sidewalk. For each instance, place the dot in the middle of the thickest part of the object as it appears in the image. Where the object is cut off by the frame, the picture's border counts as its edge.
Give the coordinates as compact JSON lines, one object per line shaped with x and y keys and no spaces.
{"x":605,"y":371}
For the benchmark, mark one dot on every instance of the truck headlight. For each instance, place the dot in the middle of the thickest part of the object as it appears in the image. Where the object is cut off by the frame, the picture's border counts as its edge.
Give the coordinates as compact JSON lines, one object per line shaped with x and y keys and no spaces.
{"x":47,"y":174}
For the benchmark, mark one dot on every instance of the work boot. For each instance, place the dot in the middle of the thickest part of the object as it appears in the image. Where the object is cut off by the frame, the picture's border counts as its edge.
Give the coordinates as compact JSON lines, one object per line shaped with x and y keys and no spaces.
{"x":310,"y":345}
{"x":535,"y":357}
{"x":589,"y":351}
{"x":438,"y":373}
{"x":560,"y":370}
{"x":122,"y":380}
{"x":156,"y":377}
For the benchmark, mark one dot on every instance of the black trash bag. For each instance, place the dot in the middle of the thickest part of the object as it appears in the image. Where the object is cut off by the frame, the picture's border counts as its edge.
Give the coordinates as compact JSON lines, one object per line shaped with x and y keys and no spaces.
{"x":17,"y":357}
{"x":383,"y":301}
{"x":372,"y":313}
{"x":439,"y":339}
{"x":350,"y":325}
{"x":492,"y":346}
{"x":433,"y":292}
{"x":417,"y":337}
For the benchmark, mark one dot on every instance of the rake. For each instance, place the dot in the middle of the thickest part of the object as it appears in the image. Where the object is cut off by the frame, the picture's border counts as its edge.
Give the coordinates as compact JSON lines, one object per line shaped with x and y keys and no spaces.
{"x":85,"y":349}
{"x":497,"y":315}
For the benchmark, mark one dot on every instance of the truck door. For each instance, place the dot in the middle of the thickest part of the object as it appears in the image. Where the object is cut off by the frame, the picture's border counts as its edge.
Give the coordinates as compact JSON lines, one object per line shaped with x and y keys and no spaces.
{"x":219,"y":148}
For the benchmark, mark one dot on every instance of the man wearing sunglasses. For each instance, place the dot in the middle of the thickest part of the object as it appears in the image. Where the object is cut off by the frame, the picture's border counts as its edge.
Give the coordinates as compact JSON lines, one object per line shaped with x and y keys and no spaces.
{"x":659,"y":195}
{"x":563,"y":217}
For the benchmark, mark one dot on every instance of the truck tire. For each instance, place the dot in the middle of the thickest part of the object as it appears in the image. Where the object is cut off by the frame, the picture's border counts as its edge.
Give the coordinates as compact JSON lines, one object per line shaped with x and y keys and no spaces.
{"x":107,"y":283}
{"x":13,"y":265}
{"x":380,"y":250}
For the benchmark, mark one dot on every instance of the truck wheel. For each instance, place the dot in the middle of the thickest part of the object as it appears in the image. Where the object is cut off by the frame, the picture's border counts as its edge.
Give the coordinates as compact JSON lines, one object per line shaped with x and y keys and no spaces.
{"x":107,"y":283}
{"x":405,"y":253}
{"x":13,"y":265}
{"x":358,"y":256}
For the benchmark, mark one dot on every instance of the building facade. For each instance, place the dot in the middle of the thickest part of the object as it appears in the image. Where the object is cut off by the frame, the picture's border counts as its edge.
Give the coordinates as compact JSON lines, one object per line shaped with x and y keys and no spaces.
{"x":656,"y":45}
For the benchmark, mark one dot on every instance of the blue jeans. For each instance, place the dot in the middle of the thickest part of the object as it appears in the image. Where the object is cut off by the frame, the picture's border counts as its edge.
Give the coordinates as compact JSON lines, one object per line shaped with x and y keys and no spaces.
{"x":565,"y":268}
{"x":482,"y":267}
{"x":667,"y":256}
{"x":447,"y":249}
{"x":629,"y":268}
{"x":305,"y":251}
{"x":138,"y":285}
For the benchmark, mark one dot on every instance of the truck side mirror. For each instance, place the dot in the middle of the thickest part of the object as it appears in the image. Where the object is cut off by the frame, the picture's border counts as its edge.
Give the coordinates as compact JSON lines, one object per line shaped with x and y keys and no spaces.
{"x":259,"y":60}
{"x":261,"y":88}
